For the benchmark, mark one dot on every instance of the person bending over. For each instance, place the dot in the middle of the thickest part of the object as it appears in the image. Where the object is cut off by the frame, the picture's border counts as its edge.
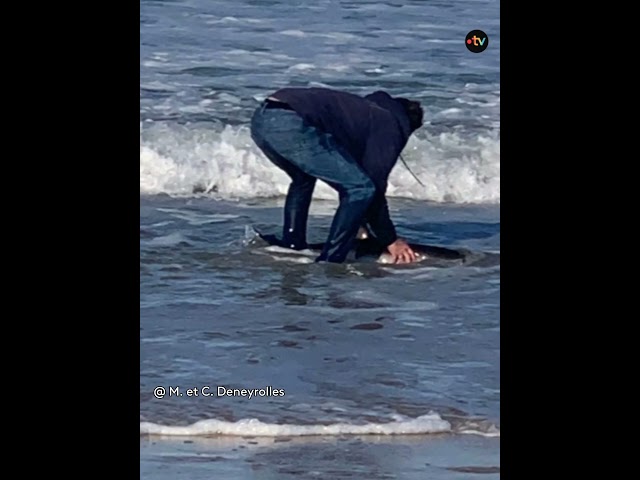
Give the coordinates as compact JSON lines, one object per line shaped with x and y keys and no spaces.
{"x":350,"y":142}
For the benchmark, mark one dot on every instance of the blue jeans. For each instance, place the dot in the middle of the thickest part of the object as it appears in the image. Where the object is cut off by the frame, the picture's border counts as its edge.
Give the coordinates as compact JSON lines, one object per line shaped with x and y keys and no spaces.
{"x":307,"y":154}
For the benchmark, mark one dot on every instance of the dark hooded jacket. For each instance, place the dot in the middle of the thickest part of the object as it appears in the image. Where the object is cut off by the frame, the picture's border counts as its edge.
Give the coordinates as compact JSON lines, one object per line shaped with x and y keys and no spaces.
{"x":373,"y":130}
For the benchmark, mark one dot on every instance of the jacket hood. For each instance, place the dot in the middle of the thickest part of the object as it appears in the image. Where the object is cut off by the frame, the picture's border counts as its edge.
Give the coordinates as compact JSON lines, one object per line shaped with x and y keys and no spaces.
{"x":386,"y":101}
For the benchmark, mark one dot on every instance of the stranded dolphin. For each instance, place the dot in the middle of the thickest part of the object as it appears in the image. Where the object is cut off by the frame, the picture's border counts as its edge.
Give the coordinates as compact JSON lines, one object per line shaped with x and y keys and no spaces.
{"x":367,"y":249}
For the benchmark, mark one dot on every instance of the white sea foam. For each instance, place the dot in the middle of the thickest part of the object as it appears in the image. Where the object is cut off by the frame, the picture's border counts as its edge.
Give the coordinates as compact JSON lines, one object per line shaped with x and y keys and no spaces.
{"x":193,"y":218}
{"x":226,"y":163}
{"x":426,"y":424}
{"x":293,"y":33}
{"x":169,"y":240}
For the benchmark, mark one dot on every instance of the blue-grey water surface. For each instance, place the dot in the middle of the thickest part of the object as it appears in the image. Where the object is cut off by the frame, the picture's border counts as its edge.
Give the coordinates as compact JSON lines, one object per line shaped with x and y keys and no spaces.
{"x":360,"y":344}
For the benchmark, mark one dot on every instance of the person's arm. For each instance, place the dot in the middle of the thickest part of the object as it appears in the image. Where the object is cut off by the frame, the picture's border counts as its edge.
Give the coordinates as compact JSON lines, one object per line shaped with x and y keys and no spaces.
{"x":379,"y":221}
{"x":382,"y":227}
{"x":381,"y":155}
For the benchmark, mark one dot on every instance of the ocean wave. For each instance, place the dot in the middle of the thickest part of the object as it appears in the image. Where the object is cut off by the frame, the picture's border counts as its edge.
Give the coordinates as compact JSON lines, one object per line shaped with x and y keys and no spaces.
{"x":225,"y":163}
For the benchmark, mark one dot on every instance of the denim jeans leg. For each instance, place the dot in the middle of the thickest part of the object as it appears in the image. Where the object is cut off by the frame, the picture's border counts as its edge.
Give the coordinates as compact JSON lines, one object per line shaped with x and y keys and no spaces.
{"x":299,"y":195}
{"x":319,"y":156}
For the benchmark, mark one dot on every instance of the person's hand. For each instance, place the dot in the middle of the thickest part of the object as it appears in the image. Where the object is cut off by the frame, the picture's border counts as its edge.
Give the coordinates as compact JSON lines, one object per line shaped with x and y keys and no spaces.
{"x":401,"y":252}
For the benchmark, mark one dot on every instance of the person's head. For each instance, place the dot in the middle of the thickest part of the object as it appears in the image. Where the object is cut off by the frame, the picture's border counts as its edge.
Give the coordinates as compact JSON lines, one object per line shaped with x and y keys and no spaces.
{"x":413,"y":110}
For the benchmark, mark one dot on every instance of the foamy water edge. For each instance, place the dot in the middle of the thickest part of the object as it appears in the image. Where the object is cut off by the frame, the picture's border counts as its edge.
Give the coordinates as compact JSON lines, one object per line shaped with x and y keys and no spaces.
{"x":431,"y":423}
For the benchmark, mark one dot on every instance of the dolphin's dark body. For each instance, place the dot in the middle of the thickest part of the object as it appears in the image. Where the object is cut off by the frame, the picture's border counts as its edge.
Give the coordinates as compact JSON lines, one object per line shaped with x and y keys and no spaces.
{"x":370,"y":250}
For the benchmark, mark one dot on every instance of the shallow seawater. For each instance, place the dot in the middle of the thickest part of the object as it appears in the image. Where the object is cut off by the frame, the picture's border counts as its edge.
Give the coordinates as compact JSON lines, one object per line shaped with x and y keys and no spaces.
{"x":400,"y":457}
{"x":412,"y":348}
{"x":387,"y":371}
